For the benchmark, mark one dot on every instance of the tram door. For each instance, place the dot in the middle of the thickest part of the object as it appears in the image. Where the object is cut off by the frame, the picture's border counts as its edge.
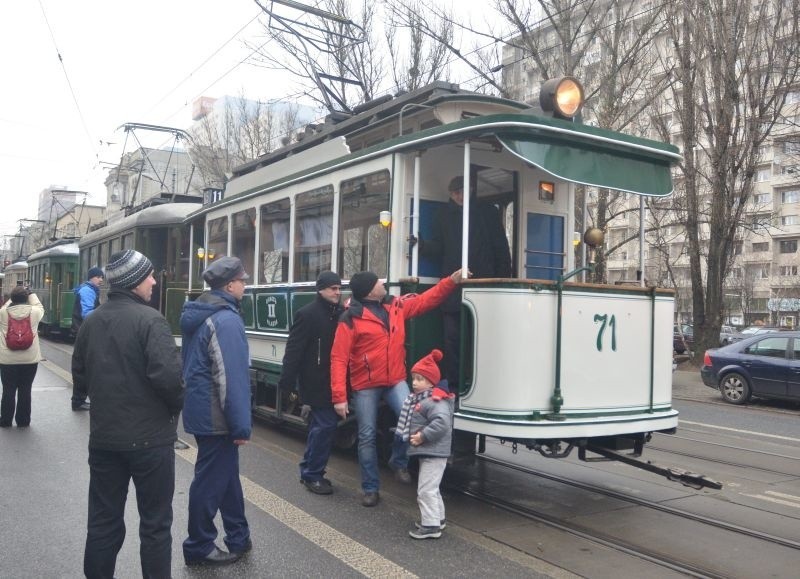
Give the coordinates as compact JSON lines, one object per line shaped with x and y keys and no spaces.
{"x":544,"y":246}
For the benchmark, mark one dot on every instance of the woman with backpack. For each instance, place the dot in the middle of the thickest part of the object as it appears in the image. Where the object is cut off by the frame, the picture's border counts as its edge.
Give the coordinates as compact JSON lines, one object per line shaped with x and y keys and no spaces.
{"x":19,"y":354}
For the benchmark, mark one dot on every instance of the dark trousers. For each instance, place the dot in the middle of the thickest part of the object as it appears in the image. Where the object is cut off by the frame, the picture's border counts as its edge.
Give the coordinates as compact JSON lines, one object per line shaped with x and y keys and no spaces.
{"x":216,"y":487}
{"x":153,"y":474}
{"x":451,"y":322}
{"x":17,"y":383}
{"x":321,"y":433}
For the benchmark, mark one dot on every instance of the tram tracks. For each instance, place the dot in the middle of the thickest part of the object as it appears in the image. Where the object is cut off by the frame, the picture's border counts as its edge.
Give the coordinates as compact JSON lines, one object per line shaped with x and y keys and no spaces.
{"x":619,"y":542}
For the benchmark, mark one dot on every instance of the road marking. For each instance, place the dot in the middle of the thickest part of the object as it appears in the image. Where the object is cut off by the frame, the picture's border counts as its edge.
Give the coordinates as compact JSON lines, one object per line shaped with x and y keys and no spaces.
{"x":350,"y":552}
{"x":740,"y":431}
{"x":58,"y":371}
{"x":793,"y":503}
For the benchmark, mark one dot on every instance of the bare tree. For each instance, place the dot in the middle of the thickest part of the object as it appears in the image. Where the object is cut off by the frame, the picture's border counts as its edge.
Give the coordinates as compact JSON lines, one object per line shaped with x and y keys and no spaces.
{"x":734,"y":62}
{"x":243,"y":131}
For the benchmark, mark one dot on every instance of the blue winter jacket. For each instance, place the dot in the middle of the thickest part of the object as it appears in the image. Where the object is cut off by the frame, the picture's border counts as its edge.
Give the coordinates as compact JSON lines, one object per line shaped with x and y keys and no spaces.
{"x":216,"y":367}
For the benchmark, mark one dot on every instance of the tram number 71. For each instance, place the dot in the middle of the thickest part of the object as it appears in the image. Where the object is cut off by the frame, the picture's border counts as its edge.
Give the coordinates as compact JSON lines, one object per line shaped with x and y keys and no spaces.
{"x":610,"y":322}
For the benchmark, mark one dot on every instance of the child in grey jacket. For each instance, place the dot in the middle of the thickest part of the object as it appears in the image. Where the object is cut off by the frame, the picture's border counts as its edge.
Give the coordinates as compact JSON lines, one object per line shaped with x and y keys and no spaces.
{"x":426,"y":422}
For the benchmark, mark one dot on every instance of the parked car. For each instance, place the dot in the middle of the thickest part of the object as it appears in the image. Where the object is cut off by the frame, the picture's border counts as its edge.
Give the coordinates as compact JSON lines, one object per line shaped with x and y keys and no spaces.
{"x":682,"y":338}
{"x":725,"y":332}
{"x":766,"y":365}
{"x":751,"y":331}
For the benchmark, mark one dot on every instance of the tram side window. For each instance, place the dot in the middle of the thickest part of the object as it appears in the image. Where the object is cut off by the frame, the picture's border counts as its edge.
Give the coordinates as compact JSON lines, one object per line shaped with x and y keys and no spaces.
{"x":217,"y":238}
{"x":313,"y":233}
{"x":113,"y":246}
{"x":243,"y":237}
{"x":177,"y":256}
{"x":363,"y":242}
{"x":127,"y":241}
{"x":92,"y":257}
{"x":274,"y":241}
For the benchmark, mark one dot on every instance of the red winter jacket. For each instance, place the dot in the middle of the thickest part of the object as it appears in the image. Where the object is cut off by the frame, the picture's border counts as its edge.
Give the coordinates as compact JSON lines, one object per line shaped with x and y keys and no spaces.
{"x":377,"y":356}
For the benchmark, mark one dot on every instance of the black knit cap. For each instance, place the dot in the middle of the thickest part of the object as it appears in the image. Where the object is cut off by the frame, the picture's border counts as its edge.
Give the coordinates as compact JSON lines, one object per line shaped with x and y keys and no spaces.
{"x":94,"y":272}
{"x":127,"y":269}
{"x":326,"y":279}
{"x":362,"y":283}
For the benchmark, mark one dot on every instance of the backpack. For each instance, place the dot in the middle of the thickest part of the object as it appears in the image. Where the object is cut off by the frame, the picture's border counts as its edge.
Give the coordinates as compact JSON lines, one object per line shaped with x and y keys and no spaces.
{"x":19,"y":335}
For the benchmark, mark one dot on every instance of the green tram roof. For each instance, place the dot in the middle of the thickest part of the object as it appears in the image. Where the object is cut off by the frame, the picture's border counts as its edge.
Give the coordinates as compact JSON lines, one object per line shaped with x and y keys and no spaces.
{"x":570,"y":151}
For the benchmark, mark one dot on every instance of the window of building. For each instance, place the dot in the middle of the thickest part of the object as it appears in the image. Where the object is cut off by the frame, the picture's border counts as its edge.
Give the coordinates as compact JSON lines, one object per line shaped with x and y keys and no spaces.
{"x":788,"y":246}
{"x":790,"y":169}
{"x":274,"y":240}
{"x":363,"y":241}
{"x":313,"y":233}
{"x":788,"y":270}
{"x":792,"y":196}
{"x":791,"y":147}
{"x":763,"y":175}
{"x":763,"y":198}
{"x":761,"y":246}
{"x":737,"y":247}
{"x":790,"y":220}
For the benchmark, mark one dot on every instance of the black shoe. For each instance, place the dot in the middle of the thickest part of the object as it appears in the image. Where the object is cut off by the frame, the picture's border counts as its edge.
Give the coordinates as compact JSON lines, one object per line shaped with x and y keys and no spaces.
{"x":402,"y":475}
{"x":81,"y":406}
{"x":4,"y":425}
{"x":215,"y":558}
{"x":318,"y":487}
{"x":248,"y":546}
{"x":370,"y":499}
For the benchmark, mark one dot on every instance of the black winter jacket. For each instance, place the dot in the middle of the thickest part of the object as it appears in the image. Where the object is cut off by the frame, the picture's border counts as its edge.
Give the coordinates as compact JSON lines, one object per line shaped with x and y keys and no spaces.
{"x":489,"y":255}
{"x":307,"y":358}
{"x":126,"y":360}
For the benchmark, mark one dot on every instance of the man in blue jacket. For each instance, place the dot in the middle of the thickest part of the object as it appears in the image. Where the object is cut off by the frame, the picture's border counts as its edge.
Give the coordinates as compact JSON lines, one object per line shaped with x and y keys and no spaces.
{"x":87,"y":298}
{"x":216,"y":411}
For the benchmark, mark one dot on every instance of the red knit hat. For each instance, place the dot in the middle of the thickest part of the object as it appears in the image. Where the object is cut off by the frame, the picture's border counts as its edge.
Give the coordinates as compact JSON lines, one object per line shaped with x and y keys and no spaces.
{"x":427,"y":367}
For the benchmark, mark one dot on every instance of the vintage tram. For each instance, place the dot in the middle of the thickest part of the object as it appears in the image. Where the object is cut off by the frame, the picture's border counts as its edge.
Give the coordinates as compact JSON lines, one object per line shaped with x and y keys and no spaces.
{"x":16,"y":274}
{"x":549,"y":363}
{"x":53,"y":274}
{"x":156,"y":229}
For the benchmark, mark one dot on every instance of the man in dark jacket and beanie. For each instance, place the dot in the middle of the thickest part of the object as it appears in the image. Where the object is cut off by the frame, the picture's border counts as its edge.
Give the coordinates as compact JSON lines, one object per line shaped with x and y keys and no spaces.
{"x":216,"y":369}
{"x":87,"y":298}
{"x":307,"y":360}
{"x":489,"y":256}
{"x":125,"y":358}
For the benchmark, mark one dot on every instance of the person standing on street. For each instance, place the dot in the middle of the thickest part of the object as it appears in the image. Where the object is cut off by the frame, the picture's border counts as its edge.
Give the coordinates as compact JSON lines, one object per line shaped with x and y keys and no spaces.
{"x":370,"y":345}
{"x":87,"y":298}
{"x":307,"y":360}
{"x":125,"y":358}
{"x":216,"y":368}
{"x":18,"y":366}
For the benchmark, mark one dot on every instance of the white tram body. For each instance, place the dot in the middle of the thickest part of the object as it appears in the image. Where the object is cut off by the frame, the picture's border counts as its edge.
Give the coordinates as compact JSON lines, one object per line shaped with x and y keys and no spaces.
{"x":15,"y":274}
{"x":599,"y":367}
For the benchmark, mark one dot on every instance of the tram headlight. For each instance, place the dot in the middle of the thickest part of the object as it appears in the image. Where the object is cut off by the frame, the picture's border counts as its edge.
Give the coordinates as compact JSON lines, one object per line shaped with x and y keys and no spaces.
{"x":385,"y":218}
{"x":563,"y":97}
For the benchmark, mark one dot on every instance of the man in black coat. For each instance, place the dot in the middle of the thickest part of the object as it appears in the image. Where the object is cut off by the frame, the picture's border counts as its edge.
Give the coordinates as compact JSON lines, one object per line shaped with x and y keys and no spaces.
{"x":489,"y":256}
{"x":307,"y":360}
{"x":126,"y":359}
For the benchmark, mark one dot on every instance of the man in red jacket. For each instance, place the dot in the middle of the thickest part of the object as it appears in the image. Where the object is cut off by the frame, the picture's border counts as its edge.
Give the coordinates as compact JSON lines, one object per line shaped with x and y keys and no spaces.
{"x":370,"y":340}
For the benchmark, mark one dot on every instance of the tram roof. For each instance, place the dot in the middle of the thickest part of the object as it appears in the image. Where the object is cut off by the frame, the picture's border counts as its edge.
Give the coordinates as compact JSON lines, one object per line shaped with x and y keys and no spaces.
{"x":16,"y":266}
{"x":57,"y":250}
{"x":155,"y":215}
{"x":570,"y":151}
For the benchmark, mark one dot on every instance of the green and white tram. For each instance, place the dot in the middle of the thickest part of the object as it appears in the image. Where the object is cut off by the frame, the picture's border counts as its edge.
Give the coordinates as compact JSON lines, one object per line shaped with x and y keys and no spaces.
{"x":53,"y":273}
{"x":156,"y":229}
{"x":548,"y":362}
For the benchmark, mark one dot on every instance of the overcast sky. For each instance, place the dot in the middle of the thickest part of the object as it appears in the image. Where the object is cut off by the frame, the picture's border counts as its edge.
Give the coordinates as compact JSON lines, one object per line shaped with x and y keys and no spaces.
{"x":143,"y":61}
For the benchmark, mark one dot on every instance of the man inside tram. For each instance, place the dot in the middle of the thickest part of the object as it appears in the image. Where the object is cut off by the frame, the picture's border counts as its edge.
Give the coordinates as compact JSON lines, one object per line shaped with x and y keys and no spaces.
{"x":489,"y":257}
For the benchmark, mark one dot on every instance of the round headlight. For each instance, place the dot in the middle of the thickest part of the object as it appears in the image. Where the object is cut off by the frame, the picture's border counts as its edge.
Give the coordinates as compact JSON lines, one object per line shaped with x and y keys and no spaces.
{"x":562,"y":96}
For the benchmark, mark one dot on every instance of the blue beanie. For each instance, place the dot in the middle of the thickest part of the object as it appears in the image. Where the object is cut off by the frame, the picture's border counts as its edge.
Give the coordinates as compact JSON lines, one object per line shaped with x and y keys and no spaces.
{"x":95,"y":272}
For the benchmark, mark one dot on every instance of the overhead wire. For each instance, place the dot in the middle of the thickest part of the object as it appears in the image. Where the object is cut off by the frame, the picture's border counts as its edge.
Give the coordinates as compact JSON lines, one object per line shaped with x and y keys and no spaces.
{"x":69,"y":84}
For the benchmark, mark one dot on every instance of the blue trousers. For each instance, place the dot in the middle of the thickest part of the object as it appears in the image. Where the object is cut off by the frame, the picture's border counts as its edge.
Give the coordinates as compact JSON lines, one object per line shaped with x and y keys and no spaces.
{"x":366,"y":404}
{"x":153,"y":474}
{"x":216,"y":487}
{"x":321,"y":433}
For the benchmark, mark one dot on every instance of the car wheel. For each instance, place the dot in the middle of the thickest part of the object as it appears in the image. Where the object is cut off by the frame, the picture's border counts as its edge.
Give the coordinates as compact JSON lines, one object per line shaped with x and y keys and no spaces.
{"x":734,"y":388}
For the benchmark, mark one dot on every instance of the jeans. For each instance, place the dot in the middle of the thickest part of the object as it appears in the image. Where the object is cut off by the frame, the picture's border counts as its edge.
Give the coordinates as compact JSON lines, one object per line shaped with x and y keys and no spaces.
{"x":153,"y":473}
{"x":321,"y":432}
{"x":366,"y":403}
{"x":216,"y":487}
{"x":17,"y":385}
